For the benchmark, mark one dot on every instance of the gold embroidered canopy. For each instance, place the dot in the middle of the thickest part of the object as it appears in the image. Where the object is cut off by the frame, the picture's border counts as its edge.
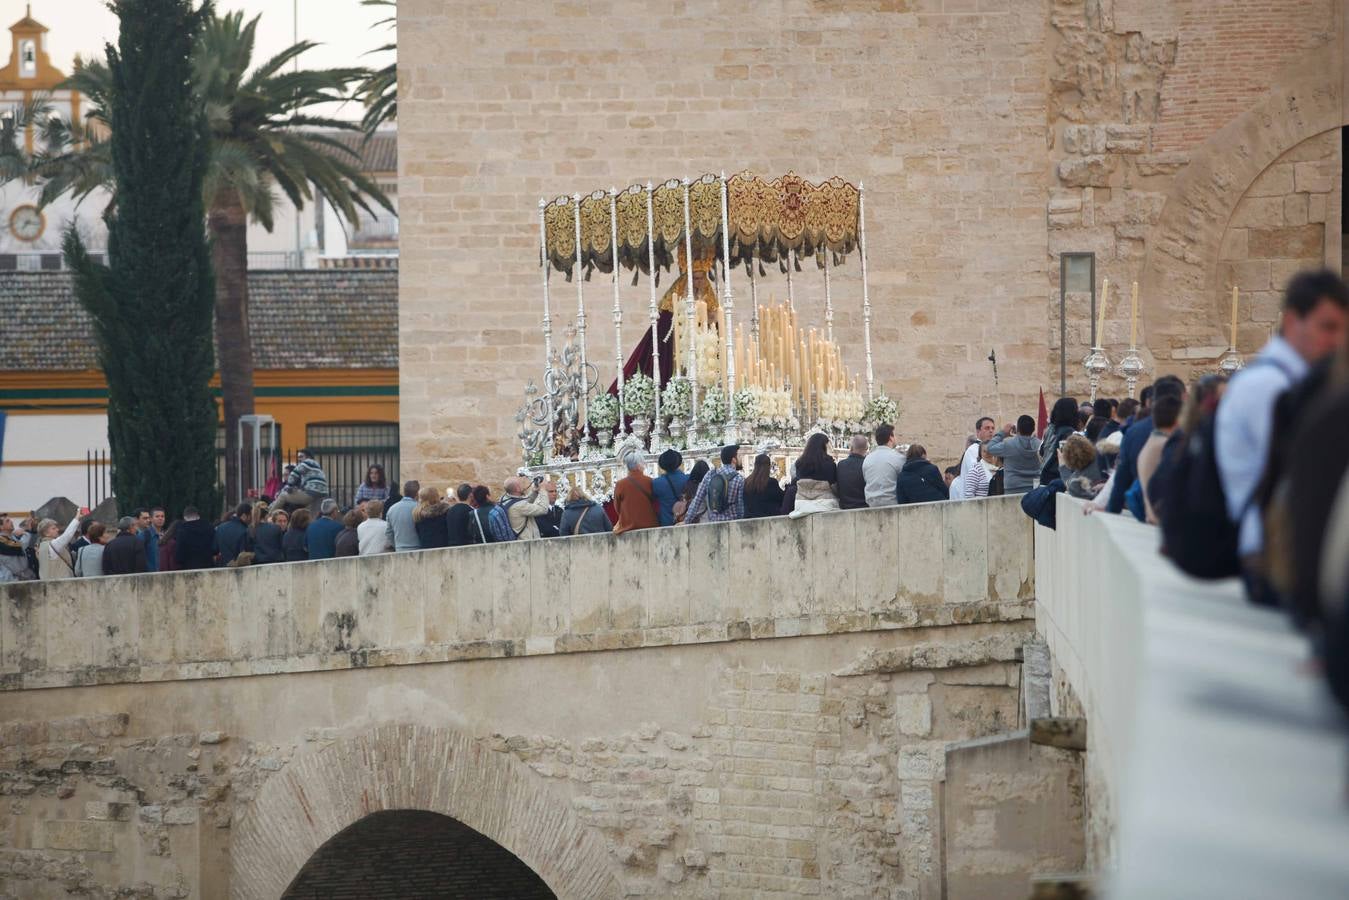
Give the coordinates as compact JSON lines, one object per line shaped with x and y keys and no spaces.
{"x":768,"y":220}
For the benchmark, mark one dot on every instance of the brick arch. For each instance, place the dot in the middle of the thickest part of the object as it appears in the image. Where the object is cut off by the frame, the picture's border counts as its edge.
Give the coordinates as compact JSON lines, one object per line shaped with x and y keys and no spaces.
{"x":1179,"y":282}
{"x":393,"y":767}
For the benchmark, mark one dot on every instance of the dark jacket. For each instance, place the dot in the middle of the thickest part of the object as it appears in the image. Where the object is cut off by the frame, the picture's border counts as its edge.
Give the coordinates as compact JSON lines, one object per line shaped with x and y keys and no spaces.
{"x":321,"y":538}
{"x":231,"y":539}
{"x":765,"y":503}
{"x":1126,"y":466}
{"x":348,"y":544}
{"x":589,"y":514}
{"x":550,"y":522}
{"x":920,"y":482}
{"x":1049,"y":452}
{"x":852,"y":484}
{"x":149,"y":539}
{"x":196,"y":546}
{"x":457,"y":523}
{"x":295,"y":545}
{"x":826,"y":472}
{"x":433,"y":529}
{"x":124,"y":555}
{"x":267,"y":544}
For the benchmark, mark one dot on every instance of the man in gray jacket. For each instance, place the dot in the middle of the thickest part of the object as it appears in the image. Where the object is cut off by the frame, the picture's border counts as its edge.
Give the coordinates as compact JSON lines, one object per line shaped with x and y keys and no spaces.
{"x":402,"y":530}
{"x":881,"y":468}
{"x":1020,"y":453}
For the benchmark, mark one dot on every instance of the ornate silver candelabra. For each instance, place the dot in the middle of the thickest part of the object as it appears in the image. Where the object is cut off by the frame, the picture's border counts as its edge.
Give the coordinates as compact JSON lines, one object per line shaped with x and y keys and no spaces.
{"x":1097,"y":364}
{"x":1231,"y":363}
{"x":1131,"y":367}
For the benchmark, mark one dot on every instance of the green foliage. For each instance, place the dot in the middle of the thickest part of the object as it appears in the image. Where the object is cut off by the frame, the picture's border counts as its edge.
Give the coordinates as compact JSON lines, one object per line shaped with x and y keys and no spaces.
{"x":152,"y":304}
{"x":379,"y":91}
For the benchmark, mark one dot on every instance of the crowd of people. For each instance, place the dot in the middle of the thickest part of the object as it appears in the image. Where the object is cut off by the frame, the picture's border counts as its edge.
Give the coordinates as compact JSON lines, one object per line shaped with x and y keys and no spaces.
{"x":1216,"y":465}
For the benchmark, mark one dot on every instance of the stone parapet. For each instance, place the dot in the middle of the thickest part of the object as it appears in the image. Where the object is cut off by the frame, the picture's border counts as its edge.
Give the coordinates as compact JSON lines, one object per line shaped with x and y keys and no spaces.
{"x":864,"y":570}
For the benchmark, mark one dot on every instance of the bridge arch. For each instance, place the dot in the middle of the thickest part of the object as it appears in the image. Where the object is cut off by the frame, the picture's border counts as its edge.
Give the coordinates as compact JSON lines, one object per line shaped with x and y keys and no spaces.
{"x":319,"y":796}
{"x":1183,"y":299}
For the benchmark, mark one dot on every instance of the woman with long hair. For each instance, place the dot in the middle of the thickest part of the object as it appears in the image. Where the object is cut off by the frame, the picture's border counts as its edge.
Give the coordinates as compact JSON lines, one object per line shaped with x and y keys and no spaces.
{"x":1062,"y":423}
{"x":295,"y":542}
{"x":763,"y":494}
{"x":815,"y":479}
{"x":374,"y":487}
{"x":430,"y":519}
{"x":696,"y":476}
{"x":480,"y":528}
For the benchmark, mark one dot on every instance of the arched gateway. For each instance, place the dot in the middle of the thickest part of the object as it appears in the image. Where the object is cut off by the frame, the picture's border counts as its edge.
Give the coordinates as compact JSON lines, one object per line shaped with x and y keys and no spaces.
{"x":344,"y":794}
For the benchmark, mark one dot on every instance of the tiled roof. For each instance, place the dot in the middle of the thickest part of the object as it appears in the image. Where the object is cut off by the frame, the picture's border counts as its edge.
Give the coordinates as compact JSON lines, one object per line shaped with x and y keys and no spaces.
{"x":311,"y":319}
{"x":378,"y":154}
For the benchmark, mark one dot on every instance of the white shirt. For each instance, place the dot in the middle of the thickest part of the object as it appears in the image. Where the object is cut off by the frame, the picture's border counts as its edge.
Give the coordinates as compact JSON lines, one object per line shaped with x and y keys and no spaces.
{"x":372,"y":536}
{"x":880,"y":471}
{"x":1244,"y":428}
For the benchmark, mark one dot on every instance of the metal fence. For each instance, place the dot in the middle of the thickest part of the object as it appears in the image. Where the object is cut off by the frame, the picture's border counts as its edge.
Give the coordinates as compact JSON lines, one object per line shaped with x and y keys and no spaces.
{"x":97,"y":477}
{"x":345,"y":451}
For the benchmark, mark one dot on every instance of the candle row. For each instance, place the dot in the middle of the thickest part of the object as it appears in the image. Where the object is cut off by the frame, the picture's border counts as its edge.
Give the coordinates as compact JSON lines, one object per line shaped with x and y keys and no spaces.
{"x":786,"y":353}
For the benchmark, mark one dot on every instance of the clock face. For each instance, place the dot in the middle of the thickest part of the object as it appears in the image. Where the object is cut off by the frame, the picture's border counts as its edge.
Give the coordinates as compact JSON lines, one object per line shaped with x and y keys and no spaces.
{"x":27,"y":223}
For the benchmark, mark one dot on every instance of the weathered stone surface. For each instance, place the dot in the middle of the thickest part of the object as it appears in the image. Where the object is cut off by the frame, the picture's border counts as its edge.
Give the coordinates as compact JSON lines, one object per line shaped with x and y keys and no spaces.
{"x":1088,"y":171}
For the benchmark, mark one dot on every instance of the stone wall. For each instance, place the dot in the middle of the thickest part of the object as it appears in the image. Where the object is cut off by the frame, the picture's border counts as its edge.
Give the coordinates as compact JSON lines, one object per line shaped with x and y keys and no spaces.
{"x":791,"y":767}
{"x":991,"y":139}
{"x":747,"y":709}
{"x":862,"y":570}
{"x":1279,"y":228}
{"x":938,"y":107}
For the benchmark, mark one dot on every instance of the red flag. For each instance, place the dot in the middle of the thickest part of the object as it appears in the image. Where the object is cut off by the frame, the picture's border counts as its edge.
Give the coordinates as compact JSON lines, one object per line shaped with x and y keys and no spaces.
{"x":1042,"y":418}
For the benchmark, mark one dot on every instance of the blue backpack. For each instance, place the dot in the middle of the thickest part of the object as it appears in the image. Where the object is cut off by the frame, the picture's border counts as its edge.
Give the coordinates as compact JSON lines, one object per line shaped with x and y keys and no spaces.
{"x":499,"y":523}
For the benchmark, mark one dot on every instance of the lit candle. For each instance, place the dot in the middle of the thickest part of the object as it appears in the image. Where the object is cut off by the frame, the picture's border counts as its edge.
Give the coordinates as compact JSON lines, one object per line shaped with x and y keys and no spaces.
{"x":1133,"y":320}
{"x":1234,"y":317}
{"x":1100,"y":327}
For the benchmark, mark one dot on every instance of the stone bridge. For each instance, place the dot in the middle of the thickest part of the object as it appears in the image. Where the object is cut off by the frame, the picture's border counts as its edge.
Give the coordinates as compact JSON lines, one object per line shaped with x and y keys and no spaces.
{"x":824,"y":707}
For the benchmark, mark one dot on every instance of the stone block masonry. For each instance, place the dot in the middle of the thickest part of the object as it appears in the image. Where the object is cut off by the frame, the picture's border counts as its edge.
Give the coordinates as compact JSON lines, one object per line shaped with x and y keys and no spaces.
{"x":991,"y":138}
{"x":938,"y":108}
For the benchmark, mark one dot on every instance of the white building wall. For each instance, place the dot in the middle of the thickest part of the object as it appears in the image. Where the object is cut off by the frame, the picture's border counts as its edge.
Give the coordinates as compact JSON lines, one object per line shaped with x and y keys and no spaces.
{"x":58,"y":444}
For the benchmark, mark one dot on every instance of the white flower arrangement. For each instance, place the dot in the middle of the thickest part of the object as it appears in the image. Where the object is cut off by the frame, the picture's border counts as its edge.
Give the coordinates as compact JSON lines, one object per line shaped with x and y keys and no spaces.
{"x":881,"y":411}
{"x":604,"y":412}
{"x":677,"y":398}
{"x":713,"y":408}
{"x":639,"y":395}
{"x":745,"y":402}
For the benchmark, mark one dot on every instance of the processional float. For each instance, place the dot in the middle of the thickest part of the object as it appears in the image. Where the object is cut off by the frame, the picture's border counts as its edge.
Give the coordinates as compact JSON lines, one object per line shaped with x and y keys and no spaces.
{"x":699,"y":378}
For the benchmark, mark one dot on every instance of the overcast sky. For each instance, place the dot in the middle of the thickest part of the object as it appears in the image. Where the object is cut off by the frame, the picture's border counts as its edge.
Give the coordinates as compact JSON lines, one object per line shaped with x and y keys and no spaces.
{"x":342,"y":27}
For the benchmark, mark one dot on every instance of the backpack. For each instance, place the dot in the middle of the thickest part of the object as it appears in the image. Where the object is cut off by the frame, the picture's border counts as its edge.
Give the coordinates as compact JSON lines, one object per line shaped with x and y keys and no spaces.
{"x":1197,"y":533}
{"x":1039,"y":503}
{"x":718,"y":492}
{"x":499,"y":524}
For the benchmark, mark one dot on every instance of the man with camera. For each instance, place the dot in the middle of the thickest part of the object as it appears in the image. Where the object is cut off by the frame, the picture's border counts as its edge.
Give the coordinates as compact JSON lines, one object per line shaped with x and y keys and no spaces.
{"x":524,"y":511}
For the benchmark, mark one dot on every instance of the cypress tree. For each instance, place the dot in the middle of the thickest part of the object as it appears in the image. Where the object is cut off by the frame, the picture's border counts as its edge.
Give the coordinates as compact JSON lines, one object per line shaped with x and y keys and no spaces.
{"x":152,"y":305}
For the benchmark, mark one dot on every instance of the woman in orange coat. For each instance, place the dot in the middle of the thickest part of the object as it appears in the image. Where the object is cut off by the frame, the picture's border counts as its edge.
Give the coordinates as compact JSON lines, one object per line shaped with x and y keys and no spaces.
{"x":634,"y":497}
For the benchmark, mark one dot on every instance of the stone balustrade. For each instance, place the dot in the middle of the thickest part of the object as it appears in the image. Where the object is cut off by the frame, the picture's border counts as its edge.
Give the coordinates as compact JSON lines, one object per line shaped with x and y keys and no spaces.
{"x":863,"y":570}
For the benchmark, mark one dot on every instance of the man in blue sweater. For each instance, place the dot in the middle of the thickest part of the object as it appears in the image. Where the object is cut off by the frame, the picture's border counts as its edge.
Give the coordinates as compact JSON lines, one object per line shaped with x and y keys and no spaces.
{"x":1135,"y":436}
{"x":324,"y":530}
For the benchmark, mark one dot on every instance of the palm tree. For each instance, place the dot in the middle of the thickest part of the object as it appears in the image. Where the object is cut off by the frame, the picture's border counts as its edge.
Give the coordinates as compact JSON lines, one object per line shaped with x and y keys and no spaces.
{"x":263,"y":126}
{"x":262,"y":134}
{"x":380,"y":88}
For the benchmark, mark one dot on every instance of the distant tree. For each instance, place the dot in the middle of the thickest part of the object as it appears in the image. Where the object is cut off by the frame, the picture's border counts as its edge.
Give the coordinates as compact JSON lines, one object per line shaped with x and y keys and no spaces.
{"x":151,"y":305}
{"x":379,"y":90}
{"x":262,"y":136}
